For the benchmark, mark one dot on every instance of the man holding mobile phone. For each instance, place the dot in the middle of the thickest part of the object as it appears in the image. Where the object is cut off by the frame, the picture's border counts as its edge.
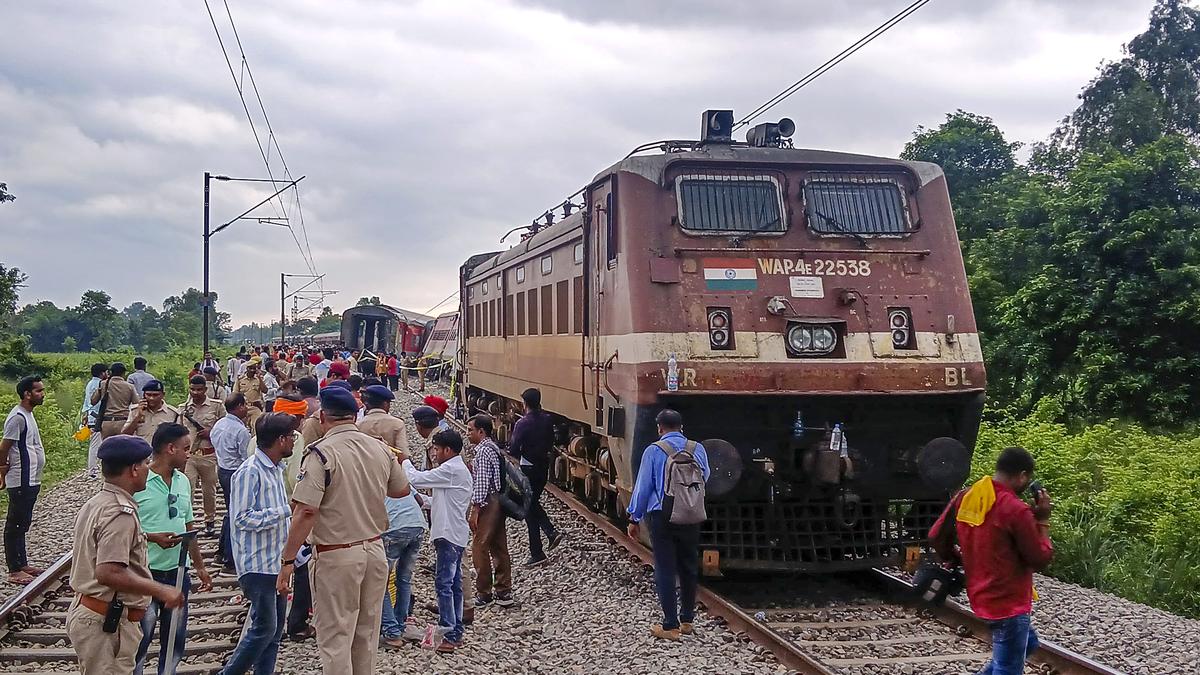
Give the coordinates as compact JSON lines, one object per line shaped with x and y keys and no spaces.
{"x":1001,"y":542}
{"x":165,"y":509}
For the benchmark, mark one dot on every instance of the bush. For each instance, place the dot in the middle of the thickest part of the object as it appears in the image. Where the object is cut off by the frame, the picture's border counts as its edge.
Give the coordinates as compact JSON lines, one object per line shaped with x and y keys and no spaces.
{"x":1125,"y":513}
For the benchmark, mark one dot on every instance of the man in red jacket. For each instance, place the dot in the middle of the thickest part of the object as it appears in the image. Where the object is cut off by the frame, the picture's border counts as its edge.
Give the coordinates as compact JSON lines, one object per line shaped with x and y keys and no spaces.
{"x":1001,"y":542}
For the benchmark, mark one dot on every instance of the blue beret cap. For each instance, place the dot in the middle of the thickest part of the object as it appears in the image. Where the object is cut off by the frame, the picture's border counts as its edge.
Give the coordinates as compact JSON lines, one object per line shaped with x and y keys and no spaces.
{"x":426,"y":416}
{"x":153,"y":385}
{"x":124,"y":450}
{"x":378,"y":391}
{"x":338,"y":401}
{"x":338,"y":384}
{"x":209,"y":370}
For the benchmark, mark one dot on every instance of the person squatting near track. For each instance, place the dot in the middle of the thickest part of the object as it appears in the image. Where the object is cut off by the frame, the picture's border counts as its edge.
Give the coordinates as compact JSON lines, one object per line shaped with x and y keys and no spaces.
{"x":110,"y":573}
{"x":165,"y":512}
{"x":1000,"y":541}
{"x":339,"y":508}
{"x":22,"y":458}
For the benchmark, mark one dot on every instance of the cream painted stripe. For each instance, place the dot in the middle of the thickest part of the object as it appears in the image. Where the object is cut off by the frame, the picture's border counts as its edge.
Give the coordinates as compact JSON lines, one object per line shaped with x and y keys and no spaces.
{"x":769,"y":347}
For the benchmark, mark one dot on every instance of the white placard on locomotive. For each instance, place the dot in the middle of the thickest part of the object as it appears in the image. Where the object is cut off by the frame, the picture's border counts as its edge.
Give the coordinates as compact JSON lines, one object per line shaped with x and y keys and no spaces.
{"x":807,"y":287}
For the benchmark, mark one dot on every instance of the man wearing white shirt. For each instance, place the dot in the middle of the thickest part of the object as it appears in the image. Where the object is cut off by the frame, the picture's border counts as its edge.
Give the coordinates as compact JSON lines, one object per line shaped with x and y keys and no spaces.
{"x":88,"y":416}
{"x":229,"y":437}
{"x":450,"y":481}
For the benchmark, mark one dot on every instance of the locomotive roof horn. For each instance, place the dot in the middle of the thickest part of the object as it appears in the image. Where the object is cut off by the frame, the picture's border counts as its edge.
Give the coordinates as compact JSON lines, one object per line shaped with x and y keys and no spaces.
{"x":770,"y":134}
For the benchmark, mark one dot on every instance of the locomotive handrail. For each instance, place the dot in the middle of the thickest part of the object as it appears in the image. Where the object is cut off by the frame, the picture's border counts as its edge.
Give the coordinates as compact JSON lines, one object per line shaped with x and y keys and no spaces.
{"x":922,"y":253}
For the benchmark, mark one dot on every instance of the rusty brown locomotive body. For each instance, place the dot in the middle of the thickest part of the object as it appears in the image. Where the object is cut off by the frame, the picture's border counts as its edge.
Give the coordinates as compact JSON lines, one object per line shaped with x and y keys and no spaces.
{"x":795,"y":291}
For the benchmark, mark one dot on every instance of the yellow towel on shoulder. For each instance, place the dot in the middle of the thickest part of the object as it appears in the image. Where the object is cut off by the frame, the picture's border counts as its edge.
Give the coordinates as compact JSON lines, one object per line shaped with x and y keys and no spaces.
{"x":977,"y":502}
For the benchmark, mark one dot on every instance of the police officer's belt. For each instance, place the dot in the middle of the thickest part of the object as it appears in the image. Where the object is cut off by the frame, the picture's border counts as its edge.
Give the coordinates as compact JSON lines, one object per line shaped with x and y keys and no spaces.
{"x":323,"y":548}
{"x":115,"y":418}
{"x":101,"y":607}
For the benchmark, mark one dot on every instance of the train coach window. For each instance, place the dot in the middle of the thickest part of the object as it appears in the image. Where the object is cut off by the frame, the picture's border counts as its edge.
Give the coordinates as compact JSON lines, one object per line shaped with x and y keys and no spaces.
{"x":547,"y":264}
{"x":855,"y":205}
{"x":719,"y":204}
{"x":579,"y":253}
{"x":521,"y":274}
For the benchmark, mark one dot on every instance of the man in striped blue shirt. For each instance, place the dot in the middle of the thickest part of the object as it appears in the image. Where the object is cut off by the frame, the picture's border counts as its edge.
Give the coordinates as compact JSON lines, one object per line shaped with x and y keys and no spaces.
{"x":259,"y":518}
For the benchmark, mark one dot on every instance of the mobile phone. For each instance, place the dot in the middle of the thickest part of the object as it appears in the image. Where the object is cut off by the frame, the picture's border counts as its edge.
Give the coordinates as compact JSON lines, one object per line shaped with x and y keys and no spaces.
{"x":1036,"y":489}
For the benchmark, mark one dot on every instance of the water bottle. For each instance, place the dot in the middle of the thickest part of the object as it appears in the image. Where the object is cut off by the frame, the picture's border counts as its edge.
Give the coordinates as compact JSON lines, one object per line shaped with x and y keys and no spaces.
{"x":672,"y":373}
{"x":798,"y":427}
{"x":835,"y":440}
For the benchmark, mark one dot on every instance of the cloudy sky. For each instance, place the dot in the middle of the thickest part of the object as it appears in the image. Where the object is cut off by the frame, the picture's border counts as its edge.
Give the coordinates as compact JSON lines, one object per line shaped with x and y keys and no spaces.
{"x":427,"y":129}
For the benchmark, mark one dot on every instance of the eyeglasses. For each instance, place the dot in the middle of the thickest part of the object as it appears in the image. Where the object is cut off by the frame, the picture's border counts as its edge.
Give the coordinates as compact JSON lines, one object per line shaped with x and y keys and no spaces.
{"x":172,"y":511}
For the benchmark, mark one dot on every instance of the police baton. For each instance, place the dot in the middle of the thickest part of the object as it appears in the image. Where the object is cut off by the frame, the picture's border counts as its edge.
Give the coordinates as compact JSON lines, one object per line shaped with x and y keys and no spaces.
{"x":180,"y":573}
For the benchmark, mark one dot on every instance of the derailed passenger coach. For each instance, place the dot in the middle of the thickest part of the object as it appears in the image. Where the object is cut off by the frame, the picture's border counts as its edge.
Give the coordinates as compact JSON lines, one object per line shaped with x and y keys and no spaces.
{"x":806,"y":311}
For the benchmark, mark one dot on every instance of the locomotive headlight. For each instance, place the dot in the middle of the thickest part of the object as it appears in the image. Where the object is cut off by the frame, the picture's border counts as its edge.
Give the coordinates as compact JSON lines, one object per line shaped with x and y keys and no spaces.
{"x":720,"y":328}
{"x":800,"y":338}
{"x":823,"y":339}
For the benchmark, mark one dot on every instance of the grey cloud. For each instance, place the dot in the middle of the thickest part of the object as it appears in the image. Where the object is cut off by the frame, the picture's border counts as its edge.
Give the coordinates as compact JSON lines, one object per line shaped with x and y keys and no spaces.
{"x":427,"y":130}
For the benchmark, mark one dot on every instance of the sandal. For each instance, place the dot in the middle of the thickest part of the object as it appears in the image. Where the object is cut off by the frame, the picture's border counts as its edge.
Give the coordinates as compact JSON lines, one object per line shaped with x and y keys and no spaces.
{"x":20,"y":578}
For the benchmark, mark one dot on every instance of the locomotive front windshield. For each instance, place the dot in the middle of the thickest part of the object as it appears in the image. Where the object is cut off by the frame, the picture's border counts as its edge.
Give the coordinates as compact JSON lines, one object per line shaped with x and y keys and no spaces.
{"x":719,"y":204}
{"x":855,"y":206}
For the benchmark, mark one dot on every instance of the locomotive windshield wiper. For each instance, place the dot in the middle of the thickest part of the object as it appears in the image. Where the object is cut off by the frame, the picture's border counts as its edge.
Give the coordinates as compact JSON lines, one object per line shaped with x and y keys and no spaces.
{"x":738,"y":239}
{"x":842,"y":228}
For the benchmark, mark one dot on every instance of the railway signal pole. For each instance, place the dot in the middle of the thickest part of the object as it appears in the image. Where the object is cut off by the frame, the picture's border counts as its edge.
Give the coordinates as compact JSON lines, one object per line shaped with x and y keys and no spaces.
{"x":208,"y":234}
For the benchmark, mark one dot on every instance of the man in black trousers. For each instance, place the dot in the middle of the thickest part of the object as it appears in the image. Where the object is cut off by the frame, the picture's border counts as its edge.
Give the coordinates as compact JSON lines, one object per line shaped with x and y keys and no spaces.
{"x":532,"y":440}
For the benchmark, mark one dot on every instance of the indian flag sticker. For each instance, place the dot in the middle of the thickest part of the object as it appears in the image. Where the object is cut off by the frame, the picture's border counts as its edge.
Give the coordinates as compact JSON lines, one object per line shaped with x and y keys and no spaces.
{"x":730,"y":274}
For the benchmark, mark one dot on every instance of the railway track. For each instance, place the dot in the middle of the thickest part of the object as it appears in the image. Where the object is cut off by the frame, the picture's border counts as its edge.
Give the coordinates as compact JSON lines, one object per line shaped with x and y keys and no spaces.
{"x":874,"y":638}
{"x":33,"y":634}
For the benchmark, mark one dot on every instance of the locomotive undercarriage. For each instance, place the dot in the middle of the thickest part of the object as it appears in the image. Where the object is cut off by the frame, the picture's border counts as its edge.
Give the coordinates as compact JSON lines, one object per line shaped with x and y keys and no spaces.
{"x":778,"y":501}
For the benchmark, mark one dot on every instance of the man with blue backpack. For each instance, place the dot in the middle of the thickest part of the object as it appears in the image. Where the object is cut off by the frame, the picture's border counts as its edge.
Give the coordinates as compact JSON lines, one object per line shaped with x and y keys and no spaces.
{"x":669,"y":495}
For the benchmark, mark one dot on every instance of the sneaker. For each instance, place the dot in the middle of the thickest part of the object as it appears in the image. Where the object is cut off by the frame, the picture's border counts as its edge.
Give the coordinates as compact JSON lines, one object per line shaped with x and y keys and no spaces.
{"x":446,"y":647}
{"x":686,"y":628}
{"x":392,"y":642}
{"x":537,"y":562}
{"x":482,"y":601}
{"x":665,"y":633}
{"x":504,"y":600}
{"x":555,"y":541}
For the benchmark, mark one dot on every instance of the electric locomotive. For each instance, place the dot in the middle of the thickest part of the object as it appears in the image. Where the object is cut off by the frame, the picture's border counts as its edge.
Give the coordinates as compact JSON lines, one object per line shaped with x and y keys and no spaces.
{"x":806,"y":311}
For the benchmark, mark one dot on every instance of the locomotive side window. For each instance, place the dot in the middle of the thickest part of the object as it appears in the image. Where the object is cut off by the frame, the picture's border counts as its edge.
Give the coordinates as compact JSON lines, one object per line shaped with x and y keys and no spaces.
{"x":533,"y":312}
{"x":610,"y":231}
{"x":547,"y":310}
{"x":520,"y":313}
{"x":579,"y":253}
{"x":521,"y":274}
{"x":508,"y":316}
{"x":561,"y":308}
{"x":577,"y":326}
{"x":854,"y":205}
{"x":547,"y":264}
{"x":720,"y":204}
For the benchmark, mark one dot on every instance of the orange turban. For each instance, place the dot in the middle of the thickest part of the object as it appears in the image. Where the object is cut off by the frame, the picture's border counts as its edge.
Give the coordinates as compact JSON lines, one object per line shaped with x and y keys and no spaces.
{"x":283,"y":405}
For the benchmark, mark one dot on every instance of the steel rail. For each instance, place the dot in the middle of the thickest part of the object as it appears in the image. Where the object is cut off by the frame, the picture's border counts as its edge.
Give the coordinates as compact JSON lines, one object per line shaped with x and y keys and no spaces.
{"x":34,"y":589}
{"x":1063,"y":660}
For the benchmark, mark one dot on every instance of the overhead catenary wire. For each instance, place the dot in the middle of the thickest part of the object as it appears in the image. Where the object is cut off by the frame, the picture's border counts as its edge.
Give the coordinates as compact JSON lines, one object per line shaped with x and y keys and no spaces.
{"x":264,"y":151}
{"x":429,"y":312}
{"x":832,"y":62}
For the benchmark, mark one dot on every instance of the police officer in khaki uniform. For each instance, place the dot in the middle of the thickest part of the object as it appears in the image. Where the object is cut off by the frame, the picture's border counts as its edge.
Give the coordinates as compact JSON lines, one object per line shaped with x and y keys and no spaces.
{"x":215,"y":389}
{"x":338,"y":506}
{"x":110,"y":573}
{"x":252,"y":386}
{"x":150,"y":413}
{"x":199,"y":414}
{"x":118,"y":396}
{"x":377,"y":422}
{"x":299,"y":368}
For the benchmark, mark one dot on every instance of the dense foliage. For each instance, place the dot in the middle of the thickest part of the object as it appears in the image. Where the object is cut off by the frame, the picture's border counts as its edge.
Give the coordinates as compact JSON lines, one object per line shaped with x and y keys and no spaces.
{"x":1126,"y":508}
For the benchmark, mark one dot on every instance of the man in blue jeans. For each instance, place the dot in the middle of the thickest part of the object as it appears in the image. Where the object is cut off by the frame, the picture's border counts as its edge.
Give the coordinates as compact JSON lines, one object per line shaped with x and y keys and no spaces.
{"x":229,"y":438}
{"x":676,"y":548}
{"x":1001,"y":541}
{"x":260,"y":519}
{"x":450,"y":481}
{"x":402,"y":543}
{"x":165,"y":512}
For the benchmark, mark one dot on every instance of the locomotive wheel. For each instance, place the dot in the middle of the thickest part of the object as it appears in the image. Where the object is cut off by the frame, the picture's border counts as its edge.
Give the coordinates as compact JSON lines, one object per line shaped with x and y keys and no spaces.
{"x":593,"y":492}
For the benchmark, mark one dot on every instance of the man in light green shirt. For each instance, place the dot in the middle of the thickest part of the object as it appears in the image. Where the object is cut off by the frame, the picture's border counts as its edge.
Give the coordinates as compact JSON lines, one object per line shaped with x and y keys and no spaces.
{"x":165,"y":510}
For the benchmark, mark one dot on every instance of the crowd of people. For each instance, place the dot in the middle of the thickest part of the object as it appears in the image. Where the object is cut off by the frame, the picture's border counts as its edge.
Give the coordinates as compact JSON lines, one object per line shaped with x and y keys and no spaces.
{"x":329,"y":504}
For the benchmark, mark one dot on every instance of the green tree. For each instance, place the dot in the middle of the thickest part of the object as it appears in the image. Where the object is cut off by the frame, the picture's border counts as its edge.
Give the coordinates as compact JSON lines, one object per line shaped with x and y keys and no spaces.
{"x":102,"y":328}
{"x":46,"y":325}
{"x":1153,"y":90}
{"x":69,"y":344}
{"x":12,"y":280}
{"x":1107,"y":320}
{"x":373,"y":300}
{"x":183,"y":319}
{"x":328,"y":321}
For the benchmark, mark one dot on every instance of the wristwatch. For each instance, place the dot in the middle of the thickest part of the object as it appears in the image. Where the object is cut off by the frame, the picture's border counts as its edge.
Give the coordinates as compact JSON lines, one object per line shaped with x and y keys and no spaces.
{"x":291,"y":561}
